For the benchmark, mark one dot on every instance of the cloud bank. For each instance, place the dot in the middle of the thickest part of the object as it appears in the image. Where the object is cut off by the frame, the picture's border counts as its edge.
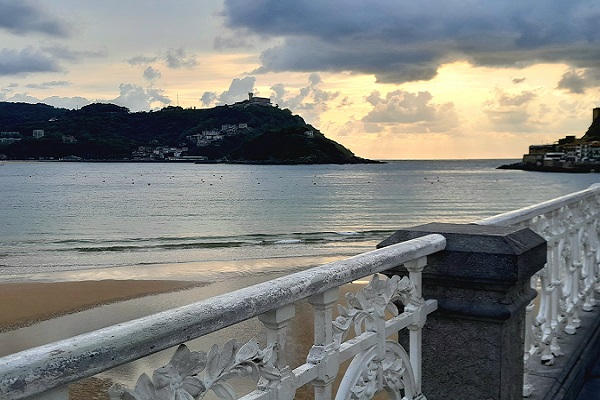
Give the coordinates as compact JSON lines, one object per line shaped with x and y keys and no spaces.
{"x":238,"y":90}
{"x":401,"y":108}
{"x":172,"y":58}
{"x":401,"y":41}
{"x":23,"y":17}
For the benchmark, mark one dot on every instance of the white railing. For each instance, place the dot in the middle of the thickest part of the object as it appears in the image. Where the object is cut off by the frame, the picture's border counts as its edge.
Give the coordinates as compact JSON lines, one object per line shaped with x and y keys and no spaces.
{"x":377,"y":363}
{"x":567,"y":284}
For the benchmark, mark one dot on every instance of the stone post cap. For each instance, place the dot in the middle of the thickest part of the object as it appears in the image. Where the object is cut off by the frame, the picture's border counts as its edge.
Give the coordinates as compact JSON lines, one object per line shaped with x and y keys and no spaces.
{"x":484,"y":254}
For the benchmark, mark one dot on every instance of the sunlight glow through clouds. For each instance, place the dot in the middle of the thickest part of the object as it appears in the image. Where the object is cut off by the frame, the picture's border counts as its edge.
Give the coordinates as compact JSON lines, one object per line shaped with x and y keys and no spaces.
{"x":400,"y":82}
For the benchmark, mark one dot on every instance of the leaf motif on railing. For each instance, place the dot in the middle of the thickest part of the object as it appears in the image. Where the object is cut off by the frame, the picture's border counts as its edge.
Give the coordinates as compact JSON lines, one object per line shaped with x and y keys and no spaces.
{"x":371,"y":302}
{"x":366,"y":387}
{"x":541,"y":226}
{"x":588,"y":211}
{"x":181,"y":379}
{"x":392,"y":369}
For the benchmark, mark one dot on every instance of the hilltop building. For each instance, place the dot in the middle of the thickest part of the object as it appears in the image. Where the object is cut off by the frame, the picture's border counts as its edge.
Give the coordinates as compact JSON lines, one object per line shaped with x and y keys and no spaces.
{"x":253,"y":100}
{"x":38,"y":133}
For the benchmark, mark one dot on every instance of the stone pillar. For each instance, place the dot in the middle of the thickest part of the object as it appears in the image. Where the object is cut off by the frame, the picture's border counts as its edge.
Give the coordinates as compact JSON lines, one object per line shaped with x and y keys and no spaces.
{"x":473,"y":344}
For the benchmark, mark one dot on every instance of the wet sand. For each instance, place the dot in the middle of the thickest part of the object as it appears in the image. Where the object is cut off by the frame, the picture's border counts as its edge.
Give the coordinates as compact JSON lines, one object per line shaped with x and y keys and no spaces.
{"x":23,"y":304}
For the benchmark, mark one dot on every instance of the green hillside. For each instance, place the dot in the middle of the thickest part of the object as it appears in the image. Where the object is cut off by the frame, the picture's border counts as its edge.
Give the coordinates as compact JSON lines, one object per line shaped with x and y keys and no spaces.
{"x":238,"y":133}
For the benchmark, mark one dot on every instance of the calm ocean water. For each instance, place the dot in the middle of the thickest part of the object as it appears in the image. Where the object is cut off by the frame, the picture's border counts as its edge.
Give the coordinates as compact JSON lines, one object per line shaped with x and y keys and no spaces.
{"x":216,"y":222}
{"x":110,"y":218}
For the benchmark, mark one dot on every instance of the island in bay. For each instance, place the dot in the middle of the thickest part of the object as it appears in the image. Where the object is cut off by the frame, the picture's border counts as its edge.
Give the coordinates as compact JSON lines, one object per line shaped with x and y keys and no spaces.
{"x":249,"y":131}
{"x":568,"y":154}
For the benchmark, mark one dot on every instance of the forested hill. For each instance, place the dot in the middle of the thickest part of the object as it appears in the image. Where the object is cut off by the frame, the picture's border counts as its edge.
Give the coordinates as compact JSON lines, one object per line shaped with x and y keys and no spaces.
{"x":239,"y":133}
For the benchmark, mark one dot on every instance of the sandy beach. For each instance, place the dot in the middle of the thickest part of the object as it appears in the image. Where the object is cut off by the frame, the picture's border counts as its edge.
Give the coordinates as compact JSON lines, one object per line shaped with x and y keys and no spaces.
{"x":23,"y":304}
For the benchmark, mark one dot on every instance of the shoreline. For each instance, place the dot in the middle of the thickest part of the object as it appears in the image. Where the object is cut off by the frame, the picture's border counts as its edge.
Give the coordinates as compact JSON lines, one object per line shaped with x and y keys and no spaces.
{"x":300,"y":329}
{"x":574,"y":169}
{"x":26,"y":303}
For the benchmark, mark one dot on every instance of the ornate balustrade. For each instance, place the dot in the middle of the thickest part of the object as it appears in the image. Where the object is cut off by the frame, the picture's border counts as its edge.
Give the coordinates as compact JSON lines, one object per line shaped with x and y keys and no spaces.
{"x":570,"y":279}
{"x":377,"y":363}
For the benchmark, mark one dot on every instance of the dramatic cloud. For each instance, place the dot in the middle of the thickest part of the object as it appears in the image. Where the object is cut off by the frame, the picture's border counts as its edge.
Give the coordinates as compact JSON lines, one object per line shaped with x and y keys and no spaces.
{"x":238,"y":90}
{"x":510,"y":111}
{"x":21,"y":17}
{"x":208,"y":98}
{"x":45,"y":59}
{"x":407,"y":108}
{"x":172,"y":58}
{"x":573,"y":81}
{"x":6,"y":90}
{"x":578,"y":81}
{"x":151,"y":74}
{"x":142,"y":60}
{"x":75,"y":56}
{"x":69,"y":103}
{"x":517,"y":100}
{"x":311,"y":100}
{"x":47,"y":85}
{"x":28,"y":60}
{"x":178,"y":58}
{"x":23,"y":98}
{"x":400,"y":41}
{"x":136,"y":98}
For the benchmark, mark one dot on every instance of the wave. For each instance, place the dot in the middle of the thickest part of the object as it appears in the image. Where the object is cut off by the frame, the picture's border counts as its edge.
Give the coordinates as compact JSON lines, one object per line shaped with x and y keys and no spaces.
{"x":205,"y":242}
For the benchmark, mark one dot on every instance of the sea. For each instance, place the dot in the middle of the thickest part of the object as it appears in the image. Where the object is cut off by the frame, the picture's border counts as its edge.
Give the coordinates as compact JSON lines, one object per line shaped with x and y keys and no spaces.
{"x":226,"y":225}
{"x":212,"y":222}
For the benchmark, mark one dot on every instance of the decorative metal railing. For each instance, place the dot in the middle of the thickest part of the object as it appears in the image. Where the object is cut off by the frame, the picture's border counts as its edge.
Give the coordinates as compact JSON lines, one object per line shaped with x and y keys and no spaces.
{"x":378,"y":363}
{"x":570,"y":279}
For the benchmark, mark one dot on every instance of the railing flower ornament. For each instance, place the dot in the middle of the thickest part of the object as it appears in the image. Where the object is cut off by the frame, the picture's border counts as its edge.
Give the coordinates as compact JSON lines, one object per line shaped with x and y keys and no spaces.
{"x":180,"y":379}
{"x":387,"y":365}
{"x":371,"y":303}
{"x":541,"y":225}
{"x":393,"y":370}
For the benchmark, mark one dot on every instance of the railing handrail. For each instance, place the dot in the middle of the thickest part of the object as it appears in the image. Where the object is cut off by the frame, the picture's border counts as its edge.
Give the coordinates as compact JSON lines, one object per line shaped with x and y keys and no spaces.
{"x":56,"y":364}
{"x":529,"y":212}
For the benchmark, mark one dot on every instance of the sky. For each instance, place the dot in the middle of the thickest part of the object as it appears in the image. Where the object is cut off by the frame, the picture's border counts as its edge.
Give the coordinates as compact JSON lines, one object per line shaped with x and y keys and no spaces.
{"x":389,"y":79}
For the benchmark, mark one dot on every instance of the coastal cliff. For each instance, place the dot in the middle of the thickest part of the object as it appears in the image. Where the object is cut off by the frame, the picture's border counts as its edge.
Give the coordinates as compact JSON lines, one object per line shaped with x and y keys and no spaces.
{"x":251,"y":131}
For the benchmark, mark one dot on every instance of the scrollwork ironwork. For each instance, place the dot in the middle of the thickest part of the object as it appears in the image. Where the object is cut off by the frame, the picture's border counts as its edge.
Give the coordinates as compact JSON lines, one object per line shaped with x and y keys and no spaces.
{"x":190,"y":375}
{"x":371,"y":303}
{"x":386,"y":366}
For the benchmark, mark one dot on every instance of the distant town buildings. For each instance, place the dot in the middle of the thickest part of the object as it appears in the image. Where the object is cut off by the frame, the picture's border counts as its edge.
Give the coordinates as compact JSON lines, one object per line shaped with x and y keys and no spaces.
{"x":69,"y":139}
{"x":158,"y":153}
{"x":215,"y":135}
{"x":9,"y":137}
{"x":204,"y":138}
{"x":568,"y":150}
